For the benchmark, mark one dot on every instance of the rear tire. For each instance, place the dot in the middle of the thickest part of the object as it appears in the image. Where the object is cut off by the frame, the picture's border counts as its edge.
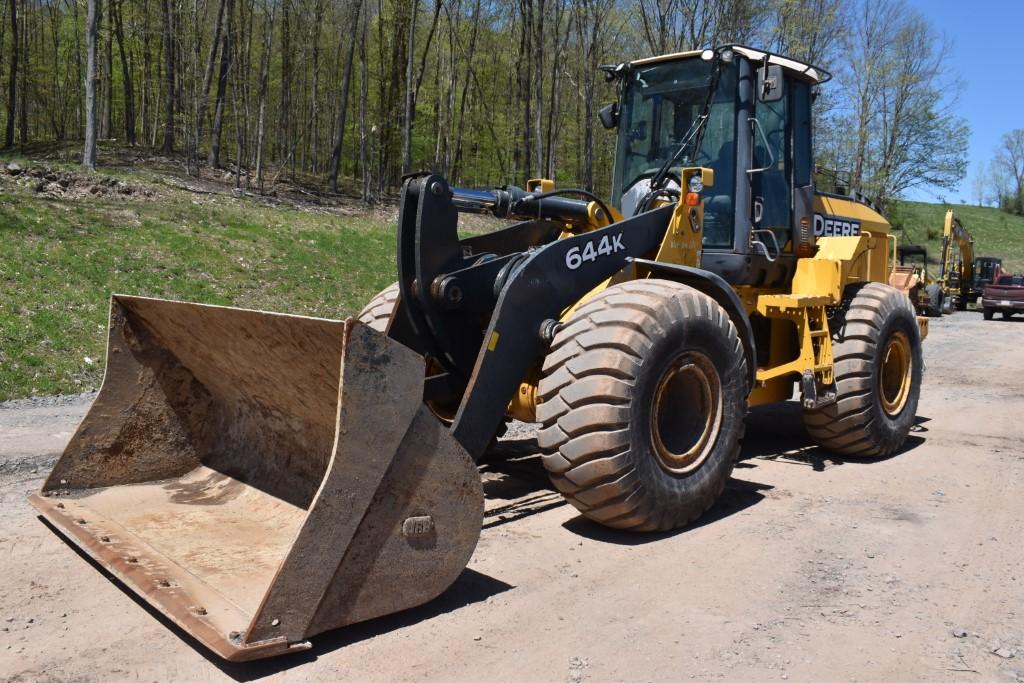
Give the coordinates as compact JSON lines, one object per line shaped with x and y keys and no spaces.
{"x":987,"y":313}
{"x":934,"y":308}
{"x":621,"y":445}
{"x":876,"y":347}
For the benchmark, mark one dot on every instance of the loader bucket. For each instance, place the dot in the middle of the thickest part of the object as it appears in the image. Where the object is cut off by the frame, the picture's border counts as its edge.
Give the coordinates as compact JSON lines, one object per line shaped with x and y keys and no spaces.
{"x":261,"y":478}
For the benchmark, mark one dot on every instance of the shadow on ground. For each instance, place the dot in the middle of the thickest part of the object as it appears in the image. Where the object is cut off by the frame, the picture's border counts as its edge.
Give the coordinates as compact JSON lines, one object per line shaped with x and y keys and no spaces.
{"x":776,"y":432}
{"x":512,"y":471}
{"x":471,"y":587}
{"x":737,"y":496}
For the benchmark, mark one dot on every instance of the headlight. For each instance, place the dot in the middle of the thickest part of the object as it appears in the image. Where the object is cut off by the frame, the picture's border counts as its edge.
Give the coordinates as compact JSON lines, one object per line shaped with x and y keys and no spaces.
{"x":695,"y":184}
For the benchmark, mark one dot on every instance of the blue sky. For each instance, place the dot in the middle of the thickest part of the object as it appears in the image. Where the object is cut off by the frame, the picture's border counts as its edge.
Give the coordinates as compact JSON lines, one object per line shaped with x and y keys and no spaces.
{"x":987,"y":36}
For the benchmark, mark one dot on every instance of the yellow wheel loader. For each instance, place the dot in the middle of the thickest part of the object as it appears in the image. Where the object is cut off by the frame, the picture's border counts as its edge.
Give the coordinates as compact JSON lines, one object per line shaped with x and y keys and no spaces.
{"x":261,"y":478}
{"x":914,"y":280}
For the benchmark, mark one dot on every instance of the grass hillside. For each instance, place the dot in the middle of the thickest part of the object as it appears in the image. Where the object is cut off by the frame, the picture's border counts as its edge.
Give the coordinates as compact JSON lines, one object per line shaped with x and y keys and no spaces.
{"x":995,"y":232}
{"x":68,"y":240}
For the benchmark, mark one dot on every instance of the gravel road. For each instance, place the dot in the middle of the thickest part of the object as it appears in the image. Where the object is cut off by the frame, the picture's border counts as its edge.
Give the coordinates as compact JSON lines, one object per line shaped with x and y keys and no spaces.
{"x":810,"y":568}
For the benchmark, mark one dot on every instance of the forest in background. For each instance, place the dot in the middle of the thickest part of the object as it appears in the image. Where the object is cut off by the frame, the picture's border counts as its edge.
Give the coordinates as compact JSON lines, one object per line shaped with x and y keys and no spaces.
{"x":351,"y":94}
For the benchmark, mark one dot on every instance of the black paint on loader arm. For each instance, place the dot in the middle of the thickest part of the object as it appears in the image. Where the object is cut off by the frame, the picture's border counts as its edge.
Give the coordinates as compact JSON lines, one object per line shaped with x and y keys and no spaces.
{"x":447,"y":288}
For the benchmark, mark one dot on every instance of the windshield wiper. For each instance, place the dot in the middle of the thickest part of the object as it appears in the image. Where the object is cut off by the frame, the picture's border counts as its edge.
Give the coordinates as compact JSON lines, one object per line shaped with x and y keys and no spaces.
{"x":695,"y":133}
{"x":659,"y":177}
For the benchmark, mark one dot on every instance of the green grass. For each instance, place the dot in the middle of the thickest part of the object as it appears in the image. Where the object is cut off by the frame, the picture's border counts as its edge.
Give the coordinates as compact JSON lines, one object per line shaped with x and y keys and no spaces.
{"x":995,"y":233}
{"x":61,"y":259}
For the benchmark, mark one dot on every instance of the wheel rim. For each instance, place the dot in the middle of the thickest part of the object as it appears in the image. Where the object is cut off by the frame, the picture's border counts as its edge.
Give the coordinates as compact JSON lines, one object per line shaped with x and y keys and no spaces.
{"x":894,"y":381}
{"x":686,"y":413}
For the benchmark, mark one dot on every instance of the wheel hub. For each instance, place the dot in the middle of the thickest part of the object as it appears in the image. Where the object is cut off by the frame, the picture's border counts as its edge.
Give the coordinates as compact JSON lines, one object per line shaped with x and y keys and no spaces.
{"x":895,"y":374}
{"x":686,"y":413}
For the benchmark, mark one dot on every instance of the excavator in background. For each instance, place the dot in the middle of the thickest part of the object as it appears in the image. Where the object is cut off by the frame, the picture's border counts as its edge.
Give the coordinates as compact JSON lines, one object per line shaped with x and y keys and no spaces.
{"x":956,"y":266}
{"x":956,"y":285}
{"x":260,"y":478}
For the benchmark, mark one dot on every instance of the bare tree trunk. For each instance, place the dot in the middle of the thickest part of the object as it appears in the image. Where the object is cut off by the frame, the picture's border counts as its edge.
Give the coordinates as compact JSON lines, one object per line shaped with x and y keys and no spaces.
{"x":410,"y":121}
{"x":588,"y":27}
{"x":410,"y":55}
{"x":12,"y":78}
{"x":268,"y":32}
{"x":126,"y":76}
{"x":588,"y":124}
{"x":470,"y":54}
{"x":226,"y":55}
{"x":155,"y":127}
{"x":440,"y":123}
{"x":204,"y":95}
{"x":147,"y":60}
{"x":108,"y":76}
{"x":284,"y":130}
{"x":92,"y":29}
{"x":866,"y":44}
{"x":363,"y":96}
{"x":525,"y":92}
{"x":239,"y":145}
{"x":24,"y":72}
{"x":243,"y":69}
{"x":168,"y":47}
{"x":79,"y":78}
{"x":346,"y":79}
{"x":381,"y":145}
{"x":312,"y":131}
{"x":559,"y":45}
{"x":538,"y":87}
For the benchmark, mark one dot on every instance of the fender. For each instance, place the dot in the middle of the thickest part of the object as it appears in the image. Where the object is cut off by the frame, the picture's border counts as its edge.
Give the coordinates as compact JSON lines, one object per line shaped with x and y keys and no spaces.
{"x":719,"y":290}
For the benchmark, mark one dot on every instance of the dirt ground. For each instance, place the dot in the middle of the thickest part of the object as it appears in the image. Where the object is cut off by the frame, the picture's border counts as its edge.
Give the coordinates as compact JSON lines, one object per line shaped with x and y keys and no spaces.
{"x":810,"y":568}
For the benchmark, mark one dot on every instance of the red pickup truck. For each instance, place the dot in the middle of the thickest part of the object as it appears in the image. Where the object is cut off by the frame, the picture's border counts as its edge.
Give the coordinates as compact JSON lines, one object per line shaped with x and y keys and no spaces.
{"x":1005,"y":295}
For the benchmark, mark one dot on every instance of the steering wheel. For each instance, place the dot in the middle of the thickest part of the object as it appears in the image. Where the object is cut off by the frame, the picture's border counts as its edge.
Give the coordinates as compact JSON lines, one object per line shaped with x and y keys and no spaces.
{"x":650,"y":173}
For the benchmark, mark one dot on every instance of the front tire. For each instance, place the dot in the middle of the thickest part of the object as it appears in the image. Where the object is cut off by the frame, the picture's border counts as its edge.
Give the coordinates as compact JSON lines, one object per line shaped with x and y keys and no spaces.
{"x":987,"y":313}
{"x":377,"y":312}
{"x":876,"y":347}
{"x":643,"y":397}
{"x":376,"y":315}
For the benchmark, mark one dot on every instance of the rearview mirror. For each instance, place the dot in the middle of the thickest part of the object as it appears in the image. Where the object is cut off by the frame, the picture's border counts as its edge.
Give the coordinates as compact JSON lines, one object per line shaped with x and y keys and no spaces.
{"x":770,"y":82}
{"x":609,"y":115}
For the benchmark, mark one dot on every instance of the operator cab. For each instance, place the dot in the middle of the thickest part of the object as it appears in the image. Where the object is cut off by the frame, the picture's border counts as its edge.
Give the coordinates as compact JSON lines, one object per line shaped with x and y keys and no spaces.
{"x":744,"y":113}
{"x":985,"y":270}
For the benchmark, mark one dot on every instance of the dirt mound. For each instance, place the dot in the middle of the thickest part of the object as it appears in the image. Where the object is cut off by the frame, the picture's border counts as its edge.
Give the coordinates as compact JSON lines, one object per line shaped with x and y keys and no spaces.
{"x":62,"y":184}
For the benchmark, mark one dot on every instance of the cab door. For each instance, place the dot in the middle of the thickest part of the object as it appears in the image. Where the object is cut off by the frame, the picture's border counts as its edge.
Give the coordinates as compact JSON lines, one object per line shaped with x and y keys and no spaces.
{"x":782,"y":160}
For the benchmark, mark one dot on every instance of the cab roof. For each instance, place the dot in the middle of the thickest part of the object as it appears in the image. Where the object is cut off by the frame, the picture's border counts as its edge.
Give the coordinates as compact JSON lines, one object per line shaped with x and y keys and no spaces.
{"x":800,"y":69}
